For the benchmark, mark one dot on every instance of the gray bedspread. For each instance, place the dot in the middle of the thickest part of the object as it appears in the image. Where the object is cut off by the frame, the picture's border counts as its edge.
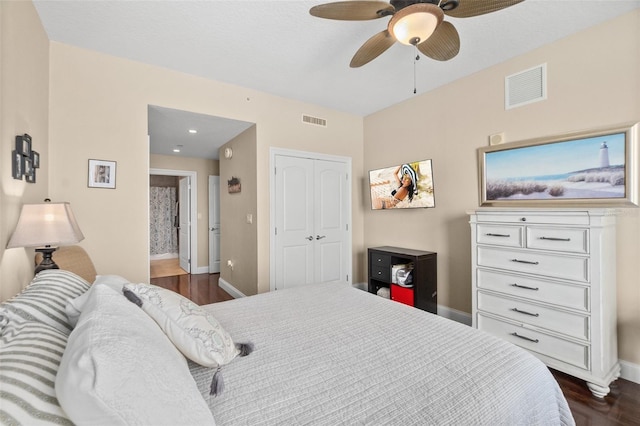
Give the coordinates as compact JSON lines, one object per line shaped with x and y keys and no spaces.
{"x":330,"y":355}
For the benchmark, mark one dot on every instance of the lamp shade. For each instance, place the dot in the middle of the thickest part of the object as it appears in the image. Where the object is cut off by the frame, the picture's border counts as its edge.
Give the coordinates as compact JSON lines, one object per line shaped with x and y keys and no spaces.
{"x":46,"y":224}
{"x":414,"y":24}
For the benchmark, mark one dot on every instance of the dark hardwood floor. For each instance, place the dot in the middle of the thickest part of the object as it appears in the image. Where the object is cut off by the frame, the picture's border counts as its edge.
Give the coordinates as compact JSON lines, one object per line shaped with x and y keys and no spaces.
{"x":620,"y":408}
{"x":201,"y":289}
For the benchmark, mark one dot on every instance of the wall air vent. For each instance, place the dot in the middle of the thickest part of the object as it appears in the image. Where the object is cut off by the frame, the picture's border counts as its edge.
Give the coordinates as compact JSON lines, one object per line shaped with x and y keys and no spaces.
{"x":525,"y":87}
{"x":314,"y":120}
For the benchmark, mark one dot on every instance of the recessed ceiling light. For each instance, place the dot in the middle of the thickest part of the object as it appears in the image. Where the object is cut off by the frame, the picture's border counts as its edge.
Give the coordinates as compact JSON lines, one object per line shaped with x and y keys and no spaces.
{"x":193,"y":131}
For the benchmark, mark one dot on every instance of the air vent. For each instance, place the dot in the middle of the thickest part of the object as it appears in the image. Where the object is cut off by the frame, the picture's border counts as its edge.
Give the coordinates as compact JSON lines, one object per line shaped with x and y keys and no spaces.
{"x":525,"y":87}
{"x":314,"y":120}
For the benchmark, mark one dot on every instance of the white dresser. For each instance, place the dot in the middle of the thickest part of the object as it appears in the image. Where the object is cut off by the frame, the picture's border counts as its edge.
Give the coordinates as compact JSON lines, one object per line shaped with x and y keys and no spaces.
{"x":545,"y":280}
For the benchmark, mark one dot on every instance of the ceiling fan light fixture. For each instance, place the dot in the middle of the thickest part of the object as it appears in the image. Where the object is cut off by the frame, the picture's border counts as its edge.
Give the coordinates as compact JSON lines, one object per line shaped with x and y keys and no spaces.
{"x":414,"y":24}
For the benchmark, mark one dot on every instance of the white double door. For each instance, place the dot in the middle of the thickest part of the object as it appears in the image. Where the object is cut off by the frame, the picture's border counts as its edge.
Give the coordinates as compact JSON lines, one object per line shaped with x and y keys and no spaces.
{"x":312,"y":215}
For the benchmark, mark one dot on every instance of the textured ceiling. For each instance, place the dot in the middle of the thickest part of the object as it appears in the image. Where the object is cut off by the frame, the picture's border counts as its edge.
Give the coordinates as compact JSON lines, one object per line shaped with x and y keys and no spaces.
{"x":278,"y":47}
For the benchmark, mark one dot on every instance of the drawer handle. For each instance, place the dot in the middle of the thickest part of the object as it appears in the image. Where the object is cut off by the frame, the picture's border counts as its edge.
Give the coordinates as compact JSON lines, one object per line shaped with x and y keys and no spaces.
{"x":524,"y":312}
{"x":498,"y":235}
{"x":525,"y":338}
{"x":528,"y":262}
{"x":524,"y":286}
{"x":555,"y":239}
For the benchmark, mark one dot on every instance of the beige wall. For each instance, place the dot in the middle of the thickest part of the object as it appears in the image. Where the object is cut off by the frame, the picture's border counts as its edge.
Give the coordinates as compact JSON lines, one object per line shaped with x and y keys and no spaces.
{"x":24,"y":84}
{"x":594,"y":81}
{"x":238,"y":238}
{"x":98,"y":109}
{"x":203,"y":168}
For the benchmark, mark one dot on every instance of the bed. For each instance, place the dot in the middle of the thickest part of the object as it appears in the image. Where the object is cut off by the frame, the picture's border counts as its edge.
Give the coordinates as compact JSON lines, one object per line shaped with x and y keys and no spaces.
{"x":324,"y":354}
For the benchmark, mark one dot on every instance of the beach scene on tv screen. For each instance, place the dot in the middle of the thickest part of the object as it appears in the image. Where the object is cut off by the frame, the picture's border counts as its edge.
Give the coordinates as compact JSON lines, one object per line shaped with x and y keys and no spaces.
{"x":583,"y":168}
{"x":405,"y":186}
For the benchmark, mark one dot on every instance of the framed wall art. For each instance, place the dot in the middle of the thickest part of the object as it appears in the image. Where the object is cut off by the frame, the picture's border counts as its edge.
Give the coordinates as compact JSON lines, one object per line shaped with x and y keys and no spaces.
{"x":102,"y":174}
{"x":17,"y":164}
{"x":596,"y":167}
{"x":23,"y":144}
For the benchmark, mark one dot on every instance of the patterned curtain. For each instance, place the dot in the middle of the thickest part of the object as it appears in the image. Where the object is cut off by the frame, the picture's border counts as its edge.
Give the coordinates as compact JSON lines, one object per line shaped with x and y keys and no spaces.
{"x":162,"y":210}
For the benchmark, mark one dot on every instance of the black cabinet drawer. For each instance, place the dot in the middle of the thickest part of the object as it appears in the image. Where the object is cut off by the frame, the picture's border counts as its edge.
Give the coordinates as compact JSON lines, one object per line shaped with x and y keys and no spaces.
{"x":379,"y":259}
{"x":381,"y":273}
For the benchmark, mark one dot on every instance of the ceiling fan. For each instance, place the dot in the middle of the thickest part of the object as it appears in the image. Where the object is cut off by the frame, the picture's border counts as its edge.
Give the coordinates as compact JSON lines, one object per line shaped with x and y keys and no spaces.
{"x":413,"y":22}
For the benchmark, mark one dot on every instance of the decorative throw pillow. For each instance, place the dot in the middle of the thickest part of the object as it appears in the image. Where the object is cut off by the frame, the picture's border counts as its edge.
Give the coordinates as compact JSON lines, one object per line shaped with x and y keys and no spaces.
{"x":119,"y":368}
{"x":195,"y":332}
{"x":44,"y":300}
{"x":75,"y":306}
{"x":30,"y":353}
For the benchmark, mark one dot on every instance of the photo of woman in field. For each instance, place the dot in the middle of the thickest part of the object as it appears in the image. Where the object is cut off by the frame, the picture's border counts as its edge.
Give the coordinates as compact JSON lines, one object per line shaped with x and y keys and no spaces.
{"x":405,"y":186}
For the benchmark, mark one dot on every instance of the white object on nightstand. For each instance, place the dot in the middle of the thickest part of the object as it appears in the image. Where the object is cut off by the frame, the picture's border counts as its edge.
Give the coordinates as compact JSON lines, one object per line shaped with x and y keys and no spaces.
{"x":545,"y":280}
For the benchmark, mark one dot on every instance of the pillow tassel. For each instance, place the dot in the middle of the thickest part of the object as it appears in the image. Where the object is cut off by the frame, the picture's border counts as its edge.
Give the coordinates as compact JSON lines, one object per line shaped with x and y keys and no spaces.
{"x":217,"y":384}
{"x":133,"y":298}
{"x":244,"y":348}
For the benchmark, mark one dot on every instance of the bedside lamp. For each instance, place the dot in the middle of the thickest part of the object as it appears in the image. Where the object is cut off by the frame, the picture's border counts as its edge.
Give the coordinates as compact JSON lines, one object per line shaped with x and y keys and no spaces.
{"x":43,"y":226}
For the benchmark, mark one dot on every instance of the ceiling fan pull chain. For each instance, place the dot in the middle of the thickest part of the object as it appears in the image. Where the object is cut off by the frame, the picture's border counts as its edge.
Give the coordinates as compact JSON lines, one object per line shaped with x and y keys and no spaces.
{"x":415,"y":60}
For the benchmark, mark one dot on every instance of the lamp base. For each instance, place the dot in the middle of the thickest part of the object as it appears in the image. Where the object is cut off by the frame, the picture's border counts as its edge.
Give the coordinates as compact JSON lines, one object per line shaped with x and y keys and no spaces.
{"x":47,"y":261}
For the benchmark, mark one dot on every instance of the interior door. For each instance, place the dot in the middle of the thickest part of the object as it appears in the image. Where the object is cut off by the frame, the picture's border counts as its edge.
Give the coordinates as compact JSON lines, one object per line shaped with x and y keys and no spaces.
{"x":214,"y":224}
{"x":294,"y":221}
{"x":330,"y":251}
{"x":184,"y":232}
{"x":311,"y":221}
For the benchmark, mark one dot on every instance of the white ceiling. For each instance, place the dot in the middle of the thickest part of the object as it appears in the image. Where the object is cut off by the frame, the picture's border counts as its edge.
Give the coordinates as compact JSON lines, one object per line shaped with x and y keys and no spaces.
{"x":277,"y":47}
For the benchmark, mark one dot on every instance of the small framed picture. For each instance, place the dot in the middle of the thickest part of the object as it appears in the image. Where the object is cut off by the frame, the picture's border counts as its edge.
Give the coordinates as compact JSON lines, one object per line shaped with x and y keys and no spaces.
{"x":29,"y":171}
{"x":35,"y":159}
{"x":102,"y":174}
{"x":23,"y":144}
{"x":17,"y":165}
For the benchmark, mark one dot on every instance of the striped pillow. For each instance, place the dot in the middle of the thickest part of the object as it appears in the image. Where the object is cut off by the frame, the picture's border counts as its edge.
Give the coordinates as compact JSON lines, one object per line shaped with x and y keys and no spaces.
{"x":30,"y":353}
{"x":44,"y":300}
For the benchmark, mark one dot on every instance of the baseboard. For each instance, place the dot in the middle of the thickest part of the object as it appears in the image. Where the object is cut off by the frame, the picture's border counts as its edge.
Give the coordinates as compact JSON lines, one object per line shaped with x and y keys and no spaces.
{"x":630,"y":371}
{"x":200,"y":270}
{"x":454,"y":315}
{"x":234,"y":292}
{"x":360,"y":286}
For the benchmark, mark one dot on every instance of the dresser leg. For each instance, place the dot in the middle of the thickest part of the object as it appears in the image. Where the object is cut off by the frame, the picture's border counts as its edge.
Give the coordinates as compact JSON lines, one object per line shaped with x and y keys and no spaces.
{"x":597,"y":390}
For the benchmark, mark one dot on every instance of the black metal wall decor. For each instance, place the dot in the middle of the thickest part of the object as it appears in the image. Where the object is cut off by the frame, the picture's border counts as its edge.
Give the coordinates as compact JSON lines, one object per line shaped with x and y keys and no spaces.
{"x":24,"y":160}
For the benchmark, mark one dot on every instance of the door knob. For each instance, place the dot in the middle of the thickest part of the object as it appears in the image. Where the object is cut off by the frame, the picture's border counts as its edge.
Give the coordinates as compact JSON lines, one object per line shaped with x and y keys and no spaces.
{"x":310,"y":237}
{"x":319,"y":237}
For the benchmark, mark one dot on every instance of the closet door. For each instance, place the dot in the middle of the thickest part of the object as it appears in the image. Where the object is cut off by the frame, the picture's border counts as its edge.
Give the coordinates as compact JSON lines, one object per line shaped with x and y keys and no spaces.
{"x":294,"y":221}
{"x":330,"y":251}
{"x":311,"y":221}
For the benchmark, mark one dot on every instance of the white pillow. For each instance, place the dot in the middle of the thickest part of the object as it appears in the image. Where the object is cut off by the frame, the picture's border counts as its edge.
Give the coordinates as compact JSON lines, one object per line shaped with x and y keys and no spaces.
{"x":194,"y":331}
{"x":74,"y":308}
{"x":120,"y":369}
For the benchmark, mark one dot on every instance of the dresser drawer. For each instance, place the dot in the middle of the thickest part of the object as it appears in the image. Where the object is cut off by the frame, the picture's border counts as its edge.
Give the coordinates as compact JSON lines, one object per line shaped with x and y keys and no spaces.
{"x":501,"y":235}
{"x":563,"y":350}
{"x":557,"y":218}
{"x":570,"y":240}
{"x":556,"y":293}
{"x":381,"y":273}
{"x":562,"y":322}
{"x":550,"y":265}
{"x":380,"y":259}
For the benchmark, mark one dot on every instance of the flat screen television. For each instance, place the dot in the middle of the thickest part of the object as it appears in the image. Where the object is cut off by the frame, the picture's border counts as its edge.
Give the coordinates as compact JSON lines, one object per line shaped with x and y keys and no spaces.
{"x":405,"y":186}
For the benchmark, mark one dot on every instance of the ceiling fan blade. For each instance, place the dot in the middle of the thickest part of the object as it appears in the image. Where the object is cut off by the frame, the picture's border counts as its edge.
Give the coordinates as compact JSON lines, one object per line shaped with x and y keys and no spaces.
{"x":353,"y":10}
{"x":372,"y":48}
{"x":443,"y":44}
{"x":469,"y":8}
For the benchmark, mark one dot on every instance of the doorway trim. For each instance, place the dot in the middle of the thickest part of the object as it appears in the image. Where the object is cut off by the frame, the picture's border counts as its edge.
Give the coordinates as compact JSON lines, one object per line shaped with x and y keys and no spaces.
{"x":194,"y":212}
{"x":273,"y":152}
